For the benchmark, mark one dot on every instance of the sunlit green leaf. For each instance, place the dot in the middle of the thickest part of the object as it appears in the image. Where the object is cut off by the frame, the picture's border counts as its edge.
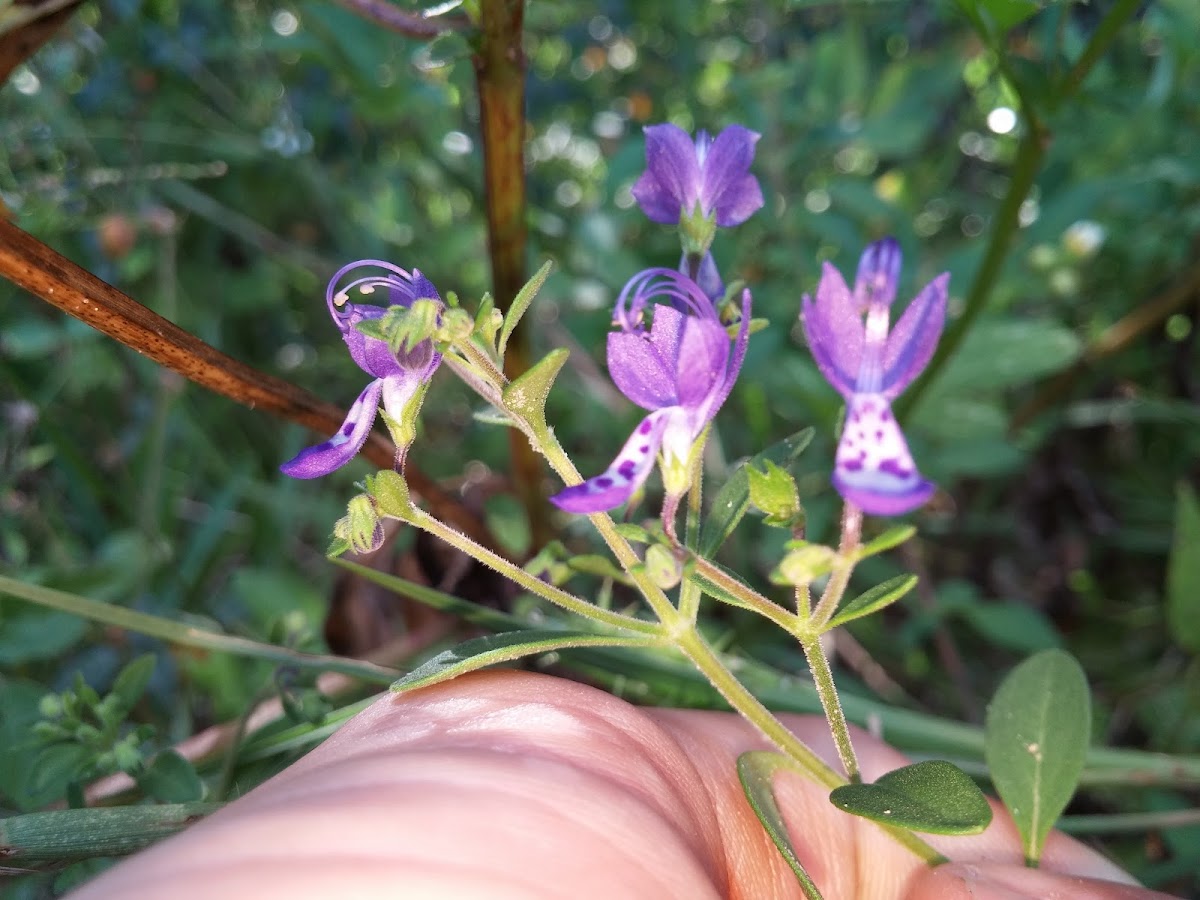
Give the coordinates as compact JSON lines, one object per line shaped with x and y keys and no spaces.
{"x":935,"y":797}
{"x":1037,"y":734}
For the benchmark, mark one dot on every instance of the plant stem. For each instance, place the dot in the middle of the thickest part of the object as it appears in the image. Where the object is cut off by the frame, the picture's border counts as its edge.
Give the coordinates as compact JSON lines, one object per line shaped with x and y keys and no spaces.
{"x":839,"y":578}
{"x":500,"y":76}
{"x":190,"y":636}
{"x":818,"y":665}
{"x":745,"y":594}
{"x":421,"y":519}
{"x":748,"y":706}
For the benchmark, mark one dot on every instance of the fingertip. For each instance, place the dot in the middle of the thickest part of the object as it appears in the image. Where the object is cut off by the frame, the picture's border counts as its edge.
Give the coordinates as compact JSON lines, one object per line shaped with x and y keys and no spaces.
{"x":998,"y":881}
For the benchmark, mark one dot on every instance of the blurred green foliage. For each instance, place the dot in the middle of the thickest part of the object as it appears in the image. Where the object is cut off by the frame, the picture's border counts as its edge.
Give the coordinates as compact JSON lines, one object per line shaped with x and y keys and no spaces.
{"x":218,"y":161}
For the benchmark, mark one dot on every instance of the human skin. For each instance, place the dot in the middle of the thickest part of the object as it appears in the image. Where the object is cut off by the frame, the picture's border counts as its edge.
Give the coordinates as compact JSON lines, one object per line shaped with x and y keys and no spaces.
{"x":515,"y":785}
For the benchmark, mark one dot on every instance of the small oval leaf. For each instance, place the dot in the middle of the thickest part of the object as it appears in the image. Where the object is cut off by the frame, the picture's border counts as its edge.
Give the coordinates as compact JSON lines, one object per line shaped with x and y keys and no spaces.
{"x":497,"y":648}
{"x":756,"y":771}
{"x":935,"y":797}
{"x":1036,"y":739}
{"x":874,"y":600}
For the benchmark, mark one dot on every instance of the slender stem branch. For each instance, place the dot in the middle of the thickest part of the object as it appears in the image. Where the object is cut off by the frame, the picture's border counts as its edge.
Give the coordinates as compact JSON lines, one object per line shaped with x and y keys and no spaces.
{"x":1106,"y":32}
{"x":745,"y":594}
{"x":421,"y":519}
{"x":409,"y":24}
{"x":839,"y":579}
{"x":822,"y":675}
{"x":745,"y":703}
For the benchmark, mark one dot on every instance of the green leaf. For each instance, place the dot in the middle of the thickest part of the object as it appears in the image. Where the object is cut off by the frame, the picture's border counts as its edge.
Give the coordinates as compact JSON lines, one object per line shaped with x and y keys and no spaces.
{"x":774,"y":492}
{"x":526,"y":397}
{"x":1036,"y":739}
{"x":598,"y":564}
{"x":1007,"y":14}
{"x":85,"y":833}
{"x":498,"y":648}
{"x":131,"y":683}
{"x":57,"y":765}
{"x":711,"y":588}
{"x":733,"y":499}
{"x":520,"y":304}
{"x":1001,"y":354}
{"x":875,"y":599}
{"x":171,"y":779}
{"x":1183,"y":572}
{"x":935,"y":797}
{"x":756,"y":771}
{"x":29,"y":637}
{"x":893,"y":537}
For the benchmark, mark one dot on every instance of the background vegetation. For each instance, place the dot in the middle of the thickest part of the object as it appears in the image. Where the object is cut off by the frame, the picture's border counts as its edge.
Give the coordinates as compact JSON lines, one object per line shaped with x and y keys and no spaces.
{"x":219,"y":161}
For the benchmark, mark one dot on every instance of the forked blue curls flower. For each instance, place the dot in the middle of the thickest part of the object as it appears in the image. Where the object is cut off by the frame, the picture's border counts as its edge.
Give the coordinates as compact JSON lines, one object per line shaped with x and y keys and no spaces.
{"x":711,"y":175}
{"x":681,"y":370}
{"x":398,"y":377}
{"x":870,"y":366}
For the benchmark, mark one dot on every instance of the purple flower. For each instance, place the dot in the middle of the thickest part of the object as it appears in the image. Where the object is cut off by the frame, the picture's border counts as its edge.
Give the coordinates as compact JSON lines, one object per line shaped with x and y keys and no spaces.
{"x":870,"y":366}
{"x":398,"y":376}
{"x":712,"y":175}
{"x":681,"y":370}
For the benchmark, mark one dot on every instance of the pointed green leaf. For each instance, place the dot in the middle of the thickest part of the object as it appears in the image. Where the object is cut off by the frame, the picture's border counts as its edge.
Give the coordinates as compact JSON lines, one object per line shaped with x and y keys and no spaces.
{"x":498,"y":648}
{"x":893,"y":537}
{"x":1183,"y":572}
{"x":934,"y":797}
{"x":171,"y":779}
{"x":598,"y":564}
{"x":733,"y":499}
{"x":711,"y":588}
{"x":1007,"y":14}
{"x":84,"y":833}
{"x":526,"y":397}
{"x":632,"y":532}
{"x":1036,"y":739}
{"x":131,"y":683}
{"x":520,"y":304}
{"x":774,"y":492}
{"x":756,"y":771}
{"x":874,"y":600}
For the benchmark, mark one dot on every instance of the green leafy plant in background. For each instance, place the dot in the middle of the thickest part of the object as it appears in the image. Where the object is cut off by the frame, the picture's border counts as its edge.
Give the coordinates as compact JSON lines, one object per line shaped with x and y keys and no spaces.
{"x":1058,"y":414}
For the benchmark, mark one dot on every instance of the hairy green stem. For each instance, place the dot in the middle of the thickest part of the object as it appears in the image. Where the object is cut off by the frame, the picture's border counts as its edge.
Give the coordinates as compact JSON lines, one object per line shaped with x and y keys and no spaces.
{"x":822,"y":675}
{"x":839,"y":578}
{"x":421,"y":519}
{"x":745,"y":594}
{"x":748,"y":706}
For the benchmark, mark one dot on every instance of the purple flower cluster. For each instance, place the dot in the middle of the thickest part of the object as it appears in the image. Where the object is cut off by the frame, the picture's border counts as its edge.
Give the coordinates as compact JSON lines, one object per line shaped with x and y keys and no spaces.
{"x":870,"y":365}
{"x":397,"y":376}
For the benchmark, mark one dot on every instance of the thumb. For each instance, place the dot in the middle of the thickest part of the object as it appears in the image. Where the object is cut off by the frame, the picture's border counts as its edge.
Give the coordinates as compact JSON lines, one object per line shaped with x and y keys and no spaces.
{"x":1004,"y":881}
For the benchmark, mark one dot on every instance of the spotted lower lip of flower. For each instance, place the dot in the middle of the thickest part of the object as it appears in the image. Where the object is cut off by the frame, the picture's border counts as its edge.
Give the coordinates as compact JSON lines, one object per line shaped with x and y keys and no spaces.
{"x":870,"y":365}
{"x":398,"y":378}
{"x":682,"y":371}
{"x":708,"y":174}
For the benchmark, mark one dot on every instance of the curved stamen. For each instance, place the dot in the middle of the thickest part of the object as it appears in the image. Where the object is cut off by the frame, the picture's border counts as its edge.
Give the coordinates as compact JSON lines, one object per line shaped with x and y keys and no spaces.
{"x":683,"y":293}
{"x":400,"y":280}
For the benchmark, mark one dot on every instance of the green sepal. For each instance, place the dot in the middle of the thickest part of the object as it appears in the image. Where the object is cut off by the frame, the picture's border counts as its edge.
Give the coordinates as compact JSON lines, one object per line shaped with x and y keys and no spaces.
{"x":364,"y":529}
{"x":1036,"y":739}
{"x":663,"y":566}
{"x":874,"y":599}
{"x":756,"y":771}
{"x":733,"y":499}
{"x":525,"y":398}
{"x":774,"y":492}
{"x":520,"y":305}
{"x":499,"y":648}
{"x":804,"y":563}
{"x":933,"y":797}
{"x":390,"y":491}
{"x":696,"y":231}
{"x":488,"y":320}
